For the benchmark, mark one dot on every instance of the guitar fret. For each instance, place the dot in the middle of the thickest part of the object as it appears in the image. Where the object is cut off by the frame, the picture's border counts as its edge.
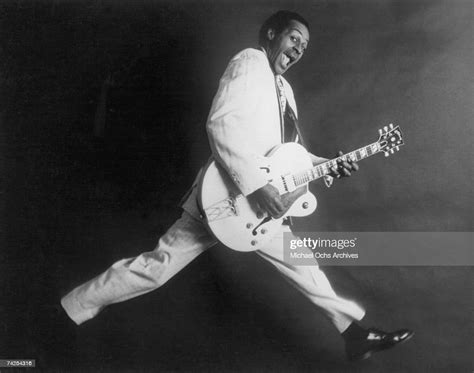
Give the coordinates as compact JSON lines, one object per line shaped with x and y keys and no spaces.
{"x":307,"y":176}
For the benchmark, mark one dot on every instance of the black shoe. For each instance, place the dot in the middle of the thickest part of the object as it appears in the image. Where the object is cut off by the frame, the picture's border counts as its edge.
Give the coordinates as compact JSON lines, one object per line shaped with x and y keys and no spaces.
{"x":375,"y":340}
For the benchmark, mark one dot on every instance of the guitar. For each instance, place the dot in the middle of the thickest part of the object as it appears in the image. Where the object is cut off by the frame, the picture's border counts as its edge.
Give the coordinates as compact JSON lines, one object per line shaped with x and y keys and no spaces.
{"x":239,"y":225}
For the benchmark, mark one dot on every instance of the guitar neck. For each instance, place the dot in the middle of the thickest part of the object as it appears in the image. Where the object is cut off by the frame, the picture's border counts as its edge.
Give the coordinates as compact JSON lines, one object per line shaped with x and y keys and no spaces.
{"x":324,"y":168}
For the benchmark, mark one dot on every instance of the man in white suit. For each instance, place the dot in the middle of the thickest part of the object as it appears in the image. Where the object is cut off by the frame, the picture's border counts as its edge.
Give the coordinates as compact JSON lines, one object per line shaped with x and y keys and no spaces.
{"x":253,"y":111}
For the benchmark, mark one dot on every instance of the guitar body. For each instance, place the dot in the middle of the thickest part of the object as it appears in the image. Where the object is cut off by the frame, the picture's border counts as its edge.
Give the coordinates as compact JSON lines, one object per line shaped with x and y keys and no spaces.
{"x":233,"y":219}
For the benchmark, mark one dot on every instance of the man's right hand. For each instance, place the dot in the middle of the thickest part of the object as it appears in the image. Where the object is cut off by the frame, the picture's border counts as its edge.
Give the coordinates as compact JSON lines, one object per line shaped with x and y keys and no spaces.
{"x":268,"y":199}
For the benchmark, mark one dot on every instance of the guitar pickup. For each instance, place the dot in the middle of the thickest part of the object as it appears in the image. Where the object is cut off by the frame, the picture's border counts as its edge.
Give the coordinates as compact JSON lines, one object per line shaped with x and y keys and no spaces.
{"x":288,"y":182}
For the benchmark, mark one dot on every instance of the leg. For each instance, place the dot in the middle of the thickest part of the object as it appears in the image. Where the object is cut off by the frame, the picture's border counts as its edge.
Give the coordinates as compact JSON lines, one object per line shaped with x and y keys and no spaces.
{"x":129,"y":278}
{"x":313,"y":283}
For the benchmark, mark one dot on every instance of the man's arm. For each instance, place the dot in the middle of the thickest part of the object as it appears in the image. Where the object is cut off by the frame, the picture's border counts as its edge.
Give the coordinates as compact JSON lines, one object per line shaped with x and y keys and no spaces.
{"x":232,"y":121}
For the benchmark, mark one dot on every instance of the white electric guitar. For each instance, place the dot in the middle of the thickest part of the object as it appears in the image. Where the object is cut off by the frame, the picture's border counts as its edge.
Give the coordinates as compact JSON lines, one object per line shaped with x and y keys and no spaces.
{"x":238,"y":224}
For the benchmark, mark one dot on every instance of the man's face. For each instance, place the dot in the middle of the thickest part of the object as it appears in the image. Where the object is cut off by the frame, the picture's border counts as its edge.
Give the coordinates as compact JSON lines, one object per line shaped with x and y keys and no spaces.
{"x":286,"y":48}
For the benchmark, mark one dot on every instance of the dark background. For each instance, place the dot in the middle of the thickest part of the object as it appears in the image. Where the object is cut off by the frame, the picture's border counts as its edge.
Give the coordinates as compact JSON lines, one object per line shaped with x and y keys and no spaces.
{"x":103,"y":106}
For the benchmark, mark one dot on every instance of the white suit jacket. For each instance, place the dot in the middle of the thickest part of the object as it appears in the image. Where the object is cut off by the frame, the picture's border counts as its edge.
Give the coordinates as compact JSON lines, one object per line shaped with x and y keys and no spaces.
{"x":244,"y":121}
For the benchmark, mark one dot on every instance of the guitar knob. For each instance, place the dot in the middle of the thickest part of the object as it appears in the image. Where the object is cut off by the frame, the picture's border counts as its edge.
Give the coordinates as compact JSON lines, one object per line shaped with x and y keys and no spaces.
{"x":249,"y":225}
{"x":253,"y":243}
{"x":259,"y":214}
{"x":263,"y":231}
{"x":305,"y":205}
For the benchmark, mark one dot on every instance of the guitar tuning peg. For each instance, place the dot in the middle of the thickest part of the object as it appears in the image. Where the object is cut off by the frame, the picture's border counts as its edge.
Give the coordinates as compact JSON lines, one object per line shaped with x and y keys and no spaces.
{"x":391,"y":126}
{"x":392,"y":151}
{"x":386,"y":154}
{"x":380,"y":131}
{"x":385,"y":128}
{"x":398,"y":148}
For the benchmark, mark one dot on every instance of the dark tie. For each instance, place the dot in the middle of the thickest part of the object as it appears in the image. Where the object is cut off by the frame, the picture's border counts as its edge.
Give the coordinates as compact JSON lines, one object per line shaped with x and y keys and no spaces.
{"x":290,"y":122}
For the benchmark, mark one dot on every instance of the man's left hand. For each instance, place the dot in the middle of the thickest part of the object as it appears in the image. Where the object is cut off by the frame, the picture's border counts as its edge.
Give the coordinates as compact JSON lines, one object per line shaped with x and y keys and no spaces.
{"x":344,"y":168}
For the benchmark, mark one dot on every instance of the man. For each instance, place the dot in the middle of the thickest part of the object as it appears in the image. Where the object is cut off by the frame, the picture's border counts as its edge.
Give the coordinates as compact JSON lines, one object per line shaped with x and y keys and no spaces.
{"x":253,"y":111}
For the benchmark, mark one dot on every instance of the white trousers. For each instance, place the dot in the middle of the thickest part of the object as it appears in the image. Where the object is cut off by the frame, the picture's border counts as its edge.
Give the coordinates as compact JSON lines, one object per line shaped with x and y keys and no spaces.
{"x":183,"y":242}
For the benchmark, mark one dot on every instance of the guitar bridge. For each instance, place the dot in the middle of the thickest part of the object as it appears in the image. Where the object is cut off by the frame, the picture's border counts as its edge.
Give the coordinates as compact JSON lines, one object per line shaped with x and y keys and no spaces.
{"x":222,"y":209}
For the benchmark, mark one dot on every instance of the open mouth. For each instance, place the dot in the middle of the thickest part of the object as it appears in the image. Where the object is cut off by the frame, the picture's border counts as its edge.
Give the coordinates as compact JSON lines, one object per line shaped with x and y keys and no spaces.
{"x":288,"y":59}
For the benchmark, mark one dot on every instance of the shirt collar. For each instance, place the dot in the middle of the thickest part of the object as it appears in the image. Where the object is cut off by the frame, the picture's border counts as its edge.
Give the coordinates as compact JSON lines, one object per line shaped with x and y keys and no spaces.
{"x":265,"y":52}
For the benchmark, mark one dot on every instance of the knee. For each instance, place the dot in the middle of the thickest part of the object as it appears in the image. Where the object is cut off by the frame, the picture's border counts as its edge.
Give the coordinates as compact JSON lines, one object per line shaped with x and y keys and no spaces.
{"x":145,"y":260}
{"x":153,"y":258}
{"x":149,"y":267}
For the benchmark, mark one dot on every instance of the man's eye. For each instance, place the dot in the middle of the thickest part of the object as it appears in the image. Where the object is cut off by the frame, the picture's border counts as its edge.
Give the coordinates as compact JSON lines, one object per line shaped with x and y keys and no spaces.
{"x":292,"y":38}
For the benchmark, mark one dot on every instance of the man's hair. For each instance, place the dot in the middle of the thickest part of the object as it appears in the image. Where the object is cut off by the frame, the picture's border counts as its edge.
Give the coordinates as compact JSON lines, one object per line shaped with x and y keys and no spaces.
{"x":278,"y":22}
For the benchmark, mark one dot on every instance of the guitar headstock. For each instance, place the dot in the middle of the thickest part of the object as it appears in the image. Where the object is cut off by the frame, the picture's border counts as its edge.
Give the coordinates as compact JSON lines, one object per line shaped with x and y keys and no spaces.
{"x":390,"y":139}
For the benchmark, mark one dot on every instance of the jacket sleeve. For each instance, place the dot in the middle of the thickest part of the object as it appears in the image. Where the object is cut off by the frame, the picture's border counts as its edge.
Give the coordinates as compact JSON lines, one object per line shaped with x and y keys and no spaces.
{"x":232,"y":121}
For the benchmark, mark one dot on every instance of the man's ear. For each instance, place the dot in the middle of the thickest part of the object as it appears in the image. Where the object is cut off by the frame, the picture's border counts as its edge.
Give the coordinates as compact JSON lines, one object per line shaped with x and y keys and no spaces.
{"x":270,"y":34}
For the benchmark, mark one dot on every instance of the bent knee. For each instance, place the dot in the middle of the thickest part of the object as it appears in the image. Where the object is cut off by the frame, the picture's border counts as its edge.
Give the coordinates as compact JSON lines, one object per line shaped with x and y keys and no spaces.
{"x":149,"y":267}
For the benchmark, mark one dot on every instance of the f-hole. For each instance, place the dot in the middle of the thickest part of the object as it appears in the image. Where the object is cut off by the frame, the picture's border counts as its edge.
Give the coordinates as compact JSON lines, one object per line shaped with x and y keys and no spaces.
{"x":267,"y":219}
